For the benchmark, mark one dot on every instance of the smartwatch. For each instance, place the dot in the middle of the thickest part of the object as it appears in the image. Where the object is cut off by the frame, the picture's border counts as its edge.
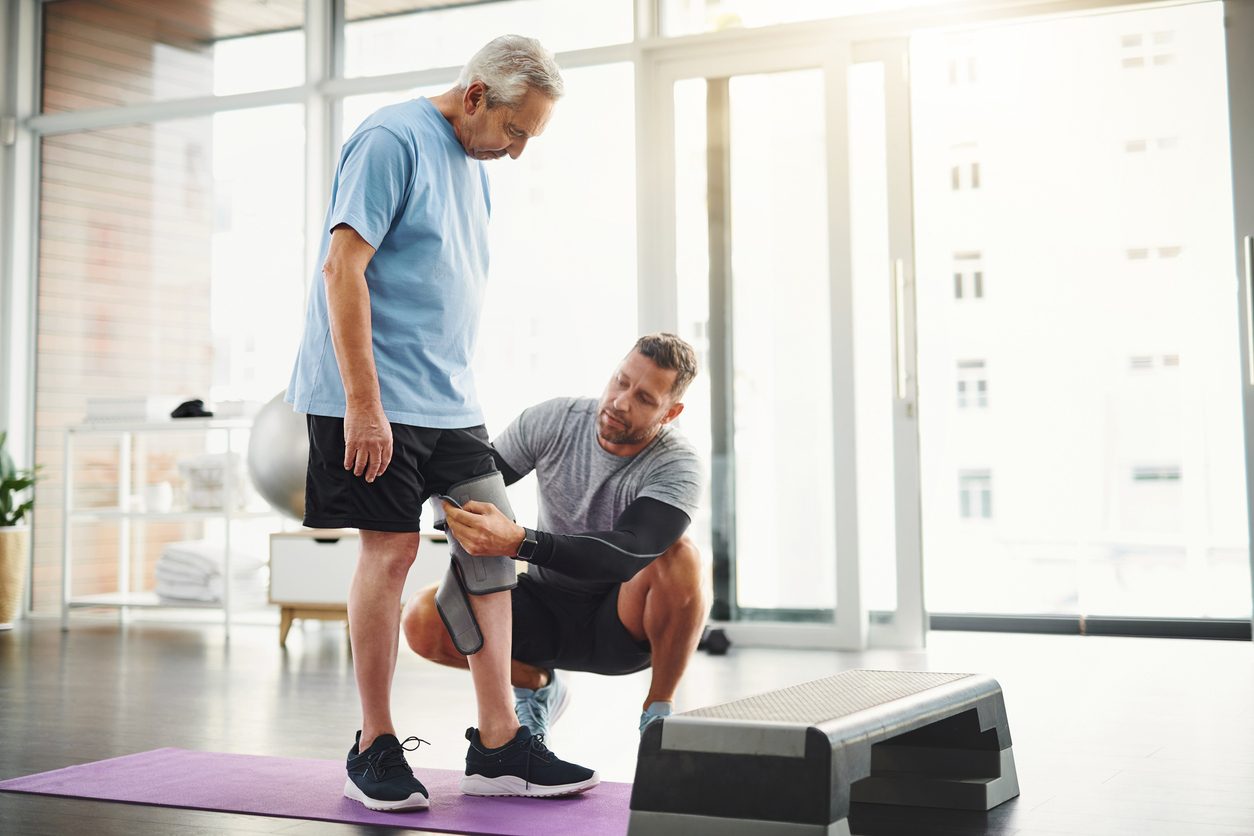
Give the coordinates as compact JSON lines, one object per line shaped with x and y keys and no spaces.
{"x":527,"y":549}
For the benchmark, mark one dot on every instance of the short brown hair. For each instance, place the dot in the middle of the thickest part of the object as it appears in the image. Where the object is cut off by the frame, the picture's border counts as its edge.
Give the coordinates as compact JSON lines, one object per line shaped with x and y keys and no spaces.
{"x":670,"y":352}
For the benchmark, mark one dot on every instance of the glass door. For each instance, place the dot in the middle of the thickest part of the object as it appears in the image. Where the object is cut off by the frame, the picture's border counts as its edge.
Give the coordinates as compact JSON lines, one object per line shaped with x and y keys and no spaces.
{"x":804,"y":406}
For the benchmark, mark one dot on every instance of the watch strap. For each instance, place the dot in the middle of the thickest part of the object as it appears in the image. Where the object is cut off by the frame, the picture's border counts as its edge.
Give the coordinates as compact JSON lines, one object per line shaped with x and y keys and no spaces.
{"x":527,"y":549}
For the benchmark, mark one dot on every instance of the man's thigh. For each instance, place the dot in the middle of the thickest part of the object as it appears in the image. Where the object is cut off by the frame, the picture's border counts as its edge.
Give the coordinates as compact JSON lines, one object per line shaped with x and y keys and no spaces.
{"x":617,"y":651}
{"x":336,"y":498}
{"x":537,"y":636}
{"x":457,"y":455}
{"x":574,"y":632}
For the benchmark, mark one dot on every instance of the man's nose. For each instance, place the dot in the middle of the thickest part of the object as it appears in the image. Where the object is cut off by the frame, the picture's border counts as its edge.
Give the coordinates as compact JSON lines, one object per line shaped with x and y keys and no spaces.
{"x":516,"y":147}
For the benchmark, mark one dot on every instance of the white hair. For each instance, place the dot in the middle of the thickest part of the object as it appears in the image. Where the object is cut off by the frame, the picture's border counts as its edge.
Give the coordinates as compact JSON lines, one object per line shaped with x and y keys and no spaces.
{"x":508,"y":67}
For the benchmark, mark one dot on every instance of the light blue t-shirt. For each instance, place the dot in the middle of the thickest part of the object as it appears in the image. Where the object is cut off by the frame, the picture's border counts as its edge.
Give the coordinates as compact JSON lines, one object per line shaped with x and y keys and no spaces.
{"x":407,"y":186}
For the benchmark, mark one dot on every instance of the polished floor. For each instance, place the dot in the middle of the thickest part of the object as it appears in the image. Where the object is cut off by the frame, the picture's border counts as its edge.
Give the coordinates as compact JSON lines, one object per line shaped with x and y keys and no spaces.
{"x":1112,"y":736}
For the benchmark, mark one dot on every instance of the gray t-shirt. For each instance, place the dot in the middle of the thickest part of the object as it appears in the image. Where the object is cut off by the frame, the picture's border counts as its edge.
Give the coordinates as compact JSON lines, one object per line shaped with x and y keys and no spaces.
{"x":582,"y":487}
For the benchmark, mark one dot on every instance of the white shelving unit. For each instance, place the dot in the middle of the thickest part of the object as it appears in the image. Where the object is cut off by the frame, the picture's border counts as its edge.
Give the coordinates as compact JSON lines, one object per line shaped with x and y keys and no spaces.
{"x":126,"y":598}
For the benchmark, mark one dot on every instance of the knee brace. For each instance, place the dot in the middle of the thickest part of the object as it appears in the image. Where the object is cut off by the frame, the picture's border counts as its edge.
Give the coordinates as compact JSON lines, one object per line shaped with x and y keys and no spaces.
{"x":468,"y":575}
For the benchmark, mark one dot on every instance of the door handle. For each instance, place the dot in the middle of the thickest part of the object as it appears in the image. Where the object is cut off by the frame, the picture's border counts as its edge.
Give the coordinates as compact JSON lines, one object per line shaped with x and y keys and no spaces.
{"x":899,"y":326}
{"x":1248,"y":247}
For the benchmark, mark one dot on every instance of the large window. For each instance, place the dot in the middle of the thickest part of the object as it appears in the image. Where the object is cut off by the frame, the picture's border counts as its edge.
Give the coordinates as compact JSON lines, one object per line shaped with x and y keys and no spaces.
{"x":1092,"y":483}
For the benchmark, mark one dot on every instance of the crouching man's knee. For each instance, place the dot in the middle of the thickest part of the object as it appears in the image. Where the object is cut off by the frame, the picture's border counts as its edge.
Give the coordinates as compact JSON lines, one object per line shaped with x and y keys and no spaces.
{"x":681,"y":572}
{"x":424,"y":631}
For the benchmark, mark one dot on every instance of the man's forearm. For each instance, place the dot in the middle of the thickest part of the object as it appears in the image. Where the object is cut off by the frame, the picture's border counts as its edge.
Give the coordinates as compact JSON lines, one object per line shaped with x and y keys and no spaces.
{"x":348,"y":308}
{"x":641,"y":535}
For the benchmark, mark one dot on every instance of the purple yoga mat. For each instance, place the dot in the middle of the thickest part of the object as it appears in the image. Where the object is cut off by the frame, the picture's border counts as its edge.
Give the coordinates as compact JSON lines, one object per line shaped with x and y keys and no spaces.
{"x":303,"y":788}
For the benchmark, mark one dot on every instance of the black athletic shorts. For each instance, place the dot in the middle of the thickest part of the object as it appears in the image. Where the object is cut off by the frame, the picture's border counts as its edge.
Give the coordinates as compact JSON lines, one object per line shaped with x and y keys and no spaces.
{"x":424,"y":461}
{"x":573,"y":631}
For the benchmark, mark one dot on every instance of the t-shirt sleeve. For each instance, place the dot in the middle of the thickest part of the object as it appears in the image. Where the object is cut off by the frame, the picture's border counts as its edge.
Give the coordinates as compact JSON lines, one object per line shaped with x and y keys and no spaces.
{"x":676,"y":480}
{"x":372,"y":184}
{"x":522,"y":443}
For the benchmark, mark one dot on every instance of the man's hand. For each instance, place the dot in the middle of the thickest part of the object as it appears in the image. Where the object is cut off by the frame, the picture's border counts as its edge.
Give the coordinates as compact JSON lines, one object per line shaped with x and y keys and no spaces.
{"x":483,"y":530}
{"x":367,"y":441}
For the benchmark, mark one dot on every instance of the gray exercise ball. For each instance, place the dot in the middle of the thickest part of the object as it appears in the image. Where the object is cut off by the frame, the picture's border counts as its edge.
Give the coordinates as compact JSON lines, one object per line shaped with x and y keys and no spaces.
{"x":278,"y":454}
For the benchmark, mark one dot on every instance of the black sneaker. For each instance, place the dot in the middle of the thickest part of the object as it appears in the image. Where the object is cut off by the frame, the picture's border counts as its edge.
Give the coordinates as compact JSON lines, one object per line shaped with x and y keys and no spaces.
{"x":524,"y":766}
{"x":381,"y":778}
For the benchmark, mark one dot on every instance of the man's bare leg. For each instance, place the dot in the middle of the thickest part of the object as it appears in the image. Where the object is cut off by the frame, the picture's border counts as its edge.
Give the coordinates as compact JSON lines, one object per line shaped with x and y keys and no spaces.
{"x":373,"y":619}
{"x":490,"y":669}
{"x":666,"y":604}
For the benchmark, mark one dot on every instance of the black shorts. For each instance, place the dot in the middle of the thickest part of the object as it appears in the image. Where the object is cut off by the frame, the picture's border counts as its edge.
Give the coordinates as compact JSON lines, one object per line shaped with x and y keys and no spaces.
{"x":571,"y":631}
{"x":424,"y":461}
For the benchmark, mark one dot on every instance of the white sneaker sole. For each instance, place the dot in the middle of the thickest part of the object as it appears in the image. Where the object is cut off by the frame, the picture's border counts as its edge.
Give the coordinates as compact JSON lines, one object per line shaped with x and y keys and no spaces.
{"x":417,"y":801}
{"x":513,"y":785}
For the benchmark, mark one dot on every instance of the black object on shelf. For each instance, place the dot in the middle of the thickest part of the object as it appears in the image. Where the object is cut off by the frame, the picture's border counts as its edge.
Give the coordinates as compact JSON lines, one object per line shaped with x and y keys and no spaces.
{"x":191,"y":409}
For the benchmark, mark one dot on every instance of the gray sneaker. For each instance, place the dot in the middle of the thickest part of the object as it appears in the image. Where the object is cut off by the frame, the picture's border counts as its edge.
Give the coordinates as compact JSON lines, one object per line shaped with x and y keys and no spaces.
{"x":539,"y":709}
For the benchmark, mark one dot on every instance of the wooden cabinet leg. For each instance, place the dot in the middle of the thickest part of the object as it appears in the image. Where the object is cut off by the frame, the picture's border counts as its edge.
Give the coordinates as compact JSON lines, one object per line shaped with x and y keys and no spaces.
{"x":285,"y":624}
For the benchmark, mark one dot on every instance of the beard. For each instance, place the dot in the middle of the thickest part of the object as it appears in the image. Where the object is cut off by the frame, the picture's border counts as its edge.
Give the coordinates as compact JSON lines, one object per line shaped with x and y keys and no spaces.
{"x":612,"y":433}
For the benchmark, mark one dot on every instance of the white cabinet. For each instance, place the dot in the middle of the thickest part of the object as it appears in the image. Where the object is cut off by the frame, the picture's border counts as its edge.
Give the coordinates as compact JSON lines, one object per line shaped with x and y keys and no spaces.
{"x":311,"y":570}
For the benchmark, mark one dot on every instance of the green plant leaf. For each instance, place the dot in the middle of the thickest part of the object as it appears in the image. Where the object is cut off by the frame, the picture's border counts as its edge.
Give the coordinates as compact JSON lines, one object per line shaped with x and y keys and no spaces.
{"x":13,"y":483}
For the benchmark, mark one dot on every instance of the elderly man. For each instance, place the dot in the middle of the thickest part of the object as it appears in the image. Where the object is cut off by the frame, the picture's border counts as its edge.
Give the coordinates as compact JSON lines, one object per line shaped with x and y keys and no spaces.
{"x":384,"y":375}
{"x":613,"y":587}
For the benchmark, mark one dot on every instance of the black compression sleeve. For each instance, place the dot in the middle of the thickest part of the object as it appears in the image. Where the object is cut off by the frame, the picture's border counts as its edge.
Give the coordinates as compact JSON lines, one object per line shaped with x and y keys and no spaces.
{"x":644,"y":531}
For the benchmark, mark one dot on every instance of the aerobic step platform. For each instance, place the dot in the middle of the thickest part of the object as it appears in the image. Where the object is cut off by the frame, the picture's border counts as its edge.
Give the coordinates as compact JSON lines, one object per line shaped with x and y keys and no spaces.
{"x":789,"y":762}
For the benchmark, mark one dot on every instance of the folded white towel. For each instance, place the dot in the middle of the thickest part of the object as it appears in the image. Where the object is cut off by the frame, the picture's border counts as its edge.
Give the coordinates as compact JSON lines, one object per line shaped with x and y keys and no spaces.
{"x":172,"y":572}
{"x":207,"y":557}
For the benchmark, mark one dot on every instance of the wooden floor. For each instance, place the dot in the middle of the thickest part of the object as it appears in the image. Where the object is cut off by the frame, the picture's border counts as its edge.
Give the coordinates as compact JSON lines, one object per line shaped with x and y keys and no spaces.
{"x":1112,"y":736}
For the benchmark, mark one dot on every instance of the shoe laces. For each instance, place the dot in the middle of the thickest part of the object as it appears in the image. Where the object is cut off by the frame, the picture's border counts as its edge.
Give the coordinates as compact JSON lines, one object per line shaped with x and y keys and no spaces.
{"x":535,"y":749}
{"x":393,"y":758}
{"x":532,"y":714}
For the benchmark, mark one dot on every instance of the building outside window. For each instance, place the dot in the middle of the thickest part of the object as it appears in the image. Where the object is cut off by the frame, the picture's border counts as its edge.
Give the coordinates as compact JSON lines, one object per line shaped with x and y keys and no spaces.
{"x":968,"y":275}
{"x":975,"y":495}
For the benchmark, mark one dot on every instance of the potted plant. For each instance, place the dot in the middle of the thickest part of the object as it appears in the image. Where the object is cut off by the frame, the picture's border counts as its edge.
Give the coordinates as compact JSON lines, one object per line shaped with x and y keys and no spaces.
{"x":14,"y":532}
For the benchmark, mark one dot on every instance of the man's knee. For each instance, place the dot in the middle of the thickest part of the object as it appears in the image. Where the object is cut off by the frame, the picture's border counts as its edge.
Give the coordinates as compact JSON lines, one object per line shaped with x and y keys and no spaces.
{"x":387,"y":553}
{"x":679,"y":571}
{"x":683,"y":553}
{"x":424,"y":631}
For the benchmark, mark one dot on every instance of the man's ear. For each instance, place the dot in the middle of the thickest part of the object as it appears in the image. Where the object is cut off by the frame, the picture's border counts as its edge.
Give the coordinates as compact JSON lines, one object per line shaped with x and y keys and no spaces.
{"x":673,"y":412}
{"x":474,"y":98}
